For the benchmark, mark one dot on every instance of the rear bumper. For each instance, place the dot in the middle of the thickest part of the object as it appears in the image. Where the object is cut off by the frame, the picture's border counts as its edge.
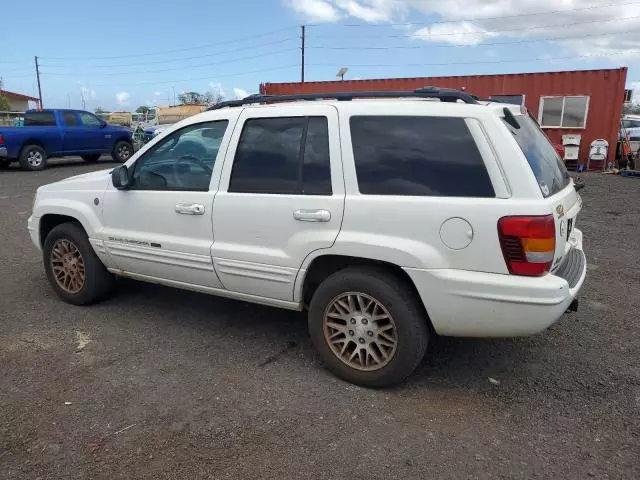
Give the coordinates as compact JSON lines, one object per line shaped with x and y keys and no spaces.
{"x":477,"y":304}
{"x":3,"y":152}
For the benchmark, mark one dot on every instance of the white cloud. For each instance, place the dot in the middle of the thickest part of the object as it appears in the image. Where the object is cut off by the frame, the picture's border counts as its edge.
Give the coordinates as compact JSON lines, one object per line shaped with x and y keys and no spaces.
{"x":372,"y":11}
{"x":239,"y":93}
{"x":603,"y":30}
{"x":158,"y":94}
{"x":216,"y":89}
{"x":123,"y":98}
{"x":461,"y":33}
{"x":315,"y":10}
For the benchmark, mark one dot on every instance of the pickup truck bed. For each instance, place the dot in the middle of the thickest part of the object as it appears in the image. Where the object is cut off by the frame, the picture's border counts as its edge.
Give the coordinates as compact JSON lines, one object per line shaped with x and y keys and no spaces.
{"x":59,"y":133}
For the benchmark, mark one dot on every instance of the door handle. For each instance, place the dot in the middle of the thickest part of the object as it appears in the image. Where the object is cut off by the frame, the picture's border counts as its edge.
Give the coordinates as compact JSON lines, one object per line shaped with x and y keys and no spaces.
{"x":312,"y":215}
{"x":190,"y":208}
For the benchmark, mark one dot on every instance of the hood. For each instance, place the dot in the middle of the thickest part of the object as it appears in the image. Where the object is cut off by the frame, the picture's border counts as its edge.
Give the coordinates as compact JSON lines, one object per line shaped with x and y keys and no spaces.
{"x":86,"y":181}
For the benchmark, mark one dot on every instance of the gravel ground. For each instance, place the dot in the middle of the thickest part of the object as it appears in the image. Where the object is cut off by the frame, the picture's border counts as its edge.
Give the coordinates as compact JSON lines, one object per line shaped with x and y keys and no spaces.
{"x":160,"y":383}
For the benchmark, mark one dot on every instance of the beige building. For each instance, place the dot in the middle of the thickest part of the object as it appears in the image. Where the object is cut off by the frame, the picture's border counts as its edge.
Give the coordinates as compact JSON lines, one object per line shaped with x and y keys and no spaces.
{"x":19,"y":102}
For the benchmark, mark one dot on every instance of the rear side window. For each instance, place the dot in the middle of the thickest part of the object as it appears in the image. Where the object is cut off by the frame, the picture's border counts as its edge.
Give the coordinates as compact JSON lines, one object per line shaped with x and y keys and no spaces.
{"x":425,"y":156}
{"x":284,"y":155}
{"x":550,"y":172}
{"x":39,"y":119}
{"x":70,"y":119}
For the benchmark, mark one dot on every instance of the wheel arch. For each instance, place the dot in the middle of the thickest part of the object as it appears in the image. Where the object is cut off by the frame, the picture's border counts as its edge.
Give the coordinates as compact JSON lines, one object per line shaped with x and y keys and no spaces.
{"x":322,"y":266}
{"x":32,"y":141}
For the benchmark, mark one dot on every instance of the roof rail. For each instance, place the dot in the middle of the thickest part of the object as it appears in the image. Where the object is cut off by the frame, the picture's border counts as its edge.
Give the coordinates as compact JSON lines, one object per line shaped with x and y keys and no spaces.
{"x":444,"y":94}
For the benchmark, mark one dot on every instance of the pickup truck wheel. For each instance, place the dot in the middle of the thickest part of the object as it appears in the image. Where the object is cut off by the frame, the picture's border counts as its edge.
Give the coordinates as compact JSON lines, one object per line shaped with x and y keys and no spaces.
{"x":91,"y":158}
{"x":122,"y":151}
{"x":75,"y":272}
{"x":33,"y":157}
{"x":368,"y":327}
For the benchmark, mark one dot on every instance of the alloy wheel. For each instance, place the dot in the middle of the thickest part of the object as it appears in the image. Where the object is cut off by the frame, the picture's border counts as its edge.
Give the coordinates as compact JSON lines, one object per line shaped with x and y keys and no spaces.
{"x":67,"y":265}
{"x":360,"y":331}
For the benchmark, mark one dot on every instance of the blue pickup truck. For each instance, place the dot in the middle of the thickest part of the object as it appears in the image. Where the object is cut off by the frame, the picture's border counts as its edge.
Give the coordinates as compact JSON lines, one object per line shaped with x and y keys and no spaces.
{"x":60,"y":133}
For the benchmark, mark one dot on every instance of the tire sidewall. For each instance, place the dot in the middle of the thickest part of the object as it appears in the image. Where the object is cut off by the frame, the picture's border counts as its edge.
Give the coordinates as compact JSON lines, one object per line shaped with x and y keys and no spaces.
{"x":411,"y":327}
{"x":24,"y":163}
{"x":115,"y":154}
{"x":78,"y":237}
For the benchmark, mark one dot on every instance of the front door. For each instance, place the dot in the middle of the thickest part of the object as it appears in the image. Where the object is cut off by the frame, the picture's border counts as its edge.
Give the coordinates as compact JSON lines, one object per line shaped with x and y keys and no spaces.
{"x":281,"y":197}
{"x":161,"y":227}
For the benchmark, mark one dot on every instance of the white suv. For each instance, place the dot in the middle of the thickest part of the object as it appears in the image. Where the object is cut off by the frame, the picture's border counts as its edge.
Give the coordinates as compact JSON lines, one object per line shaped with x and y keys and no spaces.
{"x":389,"y":219}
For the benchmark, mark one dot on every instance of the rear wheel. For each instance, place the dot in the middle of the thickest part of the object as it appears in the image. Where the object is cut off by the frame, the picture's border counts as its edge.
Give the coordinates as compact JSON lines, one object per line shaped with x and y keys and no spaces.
{"x":33,"y":157}
{"x":74,"y":270}
{"x":91,"y":158}
{"x":368,"y":327}
{"x":122,"y":151}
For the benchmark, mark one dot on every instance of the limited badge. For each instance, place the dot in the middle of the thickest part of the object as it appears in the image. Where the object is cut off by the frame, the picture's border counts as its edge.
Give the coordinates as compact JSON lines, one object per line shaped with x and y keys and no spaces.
{"x":560,"y":211}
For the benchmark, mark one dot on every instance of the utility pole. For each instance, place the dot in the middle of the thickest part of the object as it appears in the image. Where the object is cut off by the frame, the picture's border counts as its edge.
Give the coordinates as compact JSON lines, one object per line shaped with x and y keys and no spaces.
{"x":174,"y":95}
{"x":302,"y":28}
{"x":38,"y":77}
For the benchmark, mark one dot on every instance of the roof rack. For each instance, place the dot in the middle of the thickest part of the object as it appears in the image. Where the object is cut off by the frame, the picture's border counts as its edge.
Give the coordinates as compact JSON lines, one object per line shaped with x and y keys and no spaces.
{"x":444,"y":94}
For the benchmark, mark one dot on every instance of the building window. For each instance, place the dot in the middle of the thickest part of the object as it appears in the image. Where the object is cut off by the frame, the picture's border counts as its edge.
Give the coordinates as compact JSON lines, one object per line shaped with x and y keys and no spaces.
{"x":517,"y":99}
{"x":563,"y":112}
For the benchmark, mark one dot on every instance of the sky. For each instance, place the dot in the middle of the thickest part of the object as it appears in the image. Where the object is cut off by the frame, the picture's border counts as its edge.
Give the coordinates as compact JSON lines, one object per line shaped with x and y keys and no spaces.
{"x":119,"y":54}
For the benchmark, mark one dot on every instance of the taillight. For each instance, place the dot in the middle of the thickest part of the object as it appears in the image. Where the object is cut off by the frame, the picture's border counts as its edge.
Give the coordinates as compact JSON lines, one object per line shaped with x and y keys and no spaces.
{"x":528,"y":244}
{"x":1,"y":139}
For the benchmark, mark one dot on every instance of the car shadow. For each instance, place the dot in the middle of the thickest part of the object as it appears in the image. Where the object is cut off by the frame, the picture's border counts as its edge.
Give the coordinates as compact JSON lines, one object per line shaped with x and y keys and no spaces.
{"x":449,"y":362}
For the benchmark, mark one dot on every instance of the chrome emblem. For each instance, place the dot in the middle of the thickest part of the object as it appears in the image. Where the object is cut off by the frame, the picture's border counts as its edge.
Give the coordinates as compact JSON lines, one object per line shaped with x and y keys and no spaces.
{"x":560,"y":211}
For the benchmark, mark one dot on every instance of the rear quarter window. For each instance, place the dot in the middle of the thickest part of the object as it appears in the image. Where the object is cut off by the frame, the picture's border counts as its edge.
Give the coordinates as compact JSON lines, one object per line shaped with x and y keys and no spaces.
{"x":549,"y":170}
{"x":419,"y":156}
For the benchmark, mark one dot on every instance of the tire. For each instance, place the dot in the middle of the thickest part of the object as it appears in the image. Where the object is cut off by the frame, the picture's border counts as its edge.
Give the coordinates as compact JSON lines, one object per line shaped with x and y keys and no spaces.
{"x":33,"y":157}
{"x":4,"y":163}
{"x":91,"y":158}
{"x":122,"y":151}
{"x":401,"y":305}
{"x":97,"y":284}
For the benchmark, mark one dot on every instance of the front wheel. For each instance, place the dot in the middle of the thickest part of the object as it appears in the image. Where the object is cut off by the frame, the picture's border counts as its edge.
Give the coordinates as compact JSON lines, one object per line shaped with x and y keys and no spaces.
{"x":33,"y":157}
{"x":91,"y":158}
{"x":74,"y":270}
{"x":122,"y":151}
{"x":368,"y":327}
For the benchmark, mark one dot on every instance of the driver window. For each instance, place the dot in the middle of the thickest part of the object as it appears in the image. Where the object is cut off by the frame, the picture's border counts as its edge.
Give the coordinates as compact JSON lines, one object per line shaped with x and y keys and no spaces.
{"x":182,"y":161}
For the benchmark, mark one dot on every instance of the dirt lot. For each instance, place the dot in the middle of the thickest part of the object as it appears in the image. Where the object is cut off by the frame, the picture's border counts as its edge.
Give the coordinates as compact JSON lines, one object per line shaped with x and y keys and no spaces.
{"x":160,"y":383}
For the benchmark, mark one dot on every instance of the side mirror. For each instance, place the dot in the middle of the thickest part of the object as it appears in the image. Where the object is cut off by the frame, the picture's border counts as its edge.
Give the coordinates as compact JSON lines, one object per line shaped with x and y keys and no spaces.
{"x":120,"y":177}
{"x":103,"y":124}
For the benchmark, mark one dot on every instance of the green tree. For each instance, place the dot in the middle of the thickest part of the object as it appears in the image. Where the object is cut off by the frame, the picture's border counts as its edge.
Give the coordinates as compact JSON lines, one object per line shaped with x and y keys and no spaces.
{"x":100,"y":111}
{"x":143,"y":109}
{"x":192,"y":98}
{"x":4,"y":104}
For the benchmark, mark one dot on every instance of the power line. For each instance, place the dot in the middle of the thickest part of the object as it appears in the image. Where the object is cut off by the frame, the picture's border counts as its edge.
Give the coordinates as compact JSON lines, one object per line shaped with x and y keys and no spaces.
{"x":139,"y":72}
{"x":484,"y":32}
{"x":164,"y":52}
{"x":156,"y":62}
{"x":454,"y":45}
{"x":475,"y":19}
{"x":513,"y":60}
{"x":213,"y":76}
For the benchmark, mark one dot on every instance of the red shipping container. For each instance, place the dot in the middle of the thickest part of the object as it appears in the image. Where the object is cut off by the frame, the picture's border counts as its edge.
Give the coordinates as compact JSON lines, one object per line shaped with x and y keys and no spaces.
{"x":605,"y":89}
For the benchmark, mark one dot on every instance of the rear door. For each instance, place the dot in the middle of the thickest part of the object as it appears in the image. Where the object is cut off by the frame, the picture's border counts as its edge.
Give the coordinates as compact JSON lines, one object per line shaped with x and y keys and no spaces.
{"x":71,"y":130}
{"x":553,"y":180}
{"x":281,"y":197}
